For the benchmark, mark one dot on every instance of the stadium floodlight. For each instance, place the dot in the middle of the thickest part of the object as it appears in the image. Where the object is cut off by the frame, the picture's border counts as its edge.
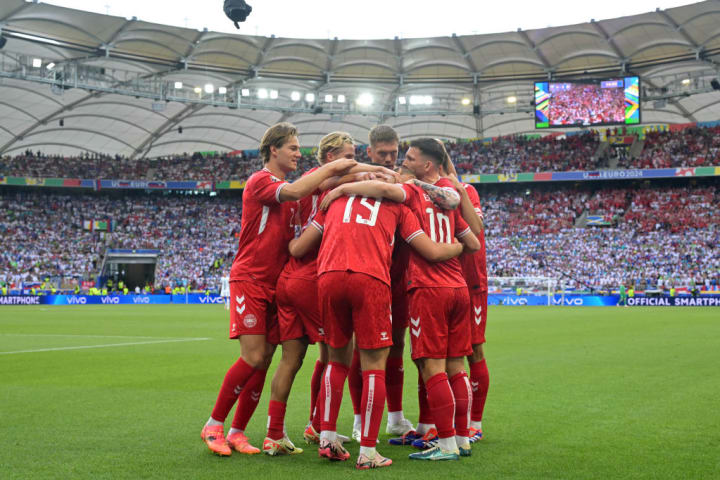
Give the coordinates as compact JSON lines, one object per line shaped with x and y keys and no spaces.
{"x":295,"y":96}
{"x":178,"y":85}
{"x":262,"y":93}
{"x":428,"y":100}
{"x":245,"y":92}
{"x":512,"y":99}
{"x":328,"y":98}
{"x":365,"y":100}
{"x":222,"y":90}
{"x":37,"y":63}
{"x":341,"y":98}
{"x":402,"y":100}
{"x":686,"y":81}
{"x":465,"y":101}
{"x":197,"y":90}
{"x":50,"y":66}
{"x":209,"y":88}
{"x":309,"y":97}
{"x":274,"y":94}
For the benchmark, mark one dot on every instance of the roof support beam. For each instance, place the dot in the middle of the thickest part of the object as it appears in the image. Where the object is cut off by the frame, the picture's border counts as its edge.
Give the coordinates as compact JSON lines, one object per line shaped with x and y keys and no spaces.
{"x":609,"y":40}
{"x":680,"y":30}
{"x":468,"y":59}
{"x":531,"y":45}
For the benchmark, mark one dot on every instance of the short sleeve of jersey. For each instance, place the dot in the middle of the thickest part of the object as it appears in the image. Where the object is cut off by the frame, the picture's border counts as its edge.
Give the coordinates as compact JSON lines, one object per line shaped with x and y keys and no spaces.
{"x":266,"y":188}
{"x":461,"y":226}
{"x":474,"y":199}
{"x":409,"y":227}
{"x":319,"y":221}
{"x":410,"y":193}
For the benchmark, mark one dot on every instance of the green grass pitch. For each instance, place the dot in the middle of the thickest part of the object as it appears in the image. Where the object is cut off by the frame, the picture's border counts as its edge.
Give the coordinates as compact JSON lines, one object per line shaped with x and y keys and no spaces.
{"x":107,"y":392}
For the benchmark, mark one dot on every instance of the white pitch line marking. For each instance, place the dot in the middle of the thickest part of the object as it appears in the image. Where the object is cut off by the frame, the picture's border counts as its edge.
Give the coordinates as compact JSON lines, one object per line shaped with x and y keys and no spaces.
{"x":83,"y":347}
{"x":82,"y":336}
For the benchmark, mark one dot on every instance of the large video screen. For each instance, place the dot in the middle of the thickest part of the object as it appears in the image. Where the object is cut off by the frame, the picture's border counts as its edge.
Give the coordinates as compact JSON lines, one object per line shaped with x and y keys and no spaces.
{"x":587,"y":103}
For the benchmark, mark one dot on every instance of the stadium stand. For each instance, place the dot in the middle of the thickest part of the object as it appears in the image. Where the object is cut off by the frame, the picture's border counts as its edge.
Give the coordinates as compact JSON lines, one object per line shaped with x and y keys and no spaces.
{"x":666,"y":234}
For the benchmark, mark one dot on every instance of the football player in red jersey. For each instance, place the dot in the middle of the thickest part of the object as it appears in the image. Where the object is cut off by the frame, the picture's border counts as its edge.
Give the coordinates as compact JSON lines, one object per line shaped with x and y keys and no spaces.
{"x":299,"y":313}
{"x":475,"y":271}
{"x":439,"y":305}
{"x":382,"y":150}
{"x":347,"y":278}
{"x":267,"y":228}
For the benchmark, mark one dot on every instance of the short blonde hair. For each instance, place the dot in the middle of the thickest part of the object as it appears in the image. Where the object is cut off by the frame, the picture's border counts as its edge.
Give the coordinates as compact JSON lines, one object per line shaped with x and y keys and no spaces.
{"x":276,"y":136}
{"x":383,"y":134}
{"x":332,"y":142}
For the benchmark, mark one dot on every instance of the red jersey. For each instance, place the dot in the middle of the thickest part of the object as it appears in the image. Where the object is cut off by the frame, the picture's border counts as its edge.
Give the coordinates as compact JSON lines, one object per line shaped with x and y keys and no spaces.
{"x":305,"y":267}
{"x":441,"y":226}
{"x":474,"y":265}
{"x":359,"y":234}
{"x":266,"y":230}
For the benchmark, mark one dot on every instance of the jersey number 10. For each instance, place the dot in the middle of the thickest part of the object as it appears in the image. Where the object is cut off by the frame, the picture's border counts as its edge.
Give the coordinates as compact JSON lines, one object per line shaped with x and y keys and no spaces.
{"x":442,"y":235}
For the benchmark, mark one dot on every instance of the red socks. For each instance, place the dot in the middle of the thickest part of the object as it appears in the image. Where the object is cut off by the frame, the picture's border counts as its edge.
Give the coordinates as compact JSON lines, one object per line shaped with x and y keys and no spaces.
{"x":463,"y":395}
{"x":235,"y":380}
{"x":315,"y":386}
{"x":355,"y":382}
{"x":249,"y":399}
{"x":331,"y":392}
{"x":480,"y":381}
{"x":442,"y":404}
{"x":425,"y":413}
{"x":394,"y":378}
{"x":373,"y":404}
{"x":276,"y":420}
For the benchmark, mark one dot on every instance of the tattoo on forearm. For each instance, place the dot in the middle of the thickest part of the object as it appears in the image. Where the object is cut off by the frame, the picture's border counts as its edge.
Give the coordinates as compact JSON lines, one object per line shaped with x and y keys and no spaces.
{"x":442,"y":197}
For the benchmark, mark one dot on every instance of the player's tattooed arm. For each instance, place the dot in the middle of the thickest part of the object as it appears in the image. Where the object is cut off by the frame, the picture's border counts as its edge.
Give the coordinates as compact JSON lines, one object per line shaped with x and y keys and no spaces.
{"x":467,"y":210}
{"x":368,"y":188}
{"x":446,"y":198}
{"x":309,"y":239}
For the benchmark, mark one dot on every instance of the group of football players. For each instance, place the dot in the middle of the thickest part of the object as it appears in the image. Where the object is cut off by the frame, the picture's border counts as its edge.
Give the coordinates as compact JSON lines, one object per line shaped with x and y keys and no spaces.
{"x":350,"y":256}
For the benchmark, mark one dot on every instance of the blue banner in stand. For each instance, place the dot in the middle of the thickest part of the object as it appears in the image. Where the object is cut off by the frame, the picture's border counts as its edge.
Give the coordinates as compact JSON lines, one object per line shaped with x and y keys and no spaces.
{"x":105,"y":299}
{"x":603,"y":301}
{"x":567,"y":300}
{"x":192,"y":298}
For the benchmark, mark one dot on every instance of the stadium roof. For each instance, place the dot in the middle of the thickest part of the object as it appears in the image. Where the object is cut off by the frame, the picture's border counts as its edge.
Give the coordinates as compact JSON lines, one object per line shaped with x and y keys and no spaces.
{"x":124,"y":68}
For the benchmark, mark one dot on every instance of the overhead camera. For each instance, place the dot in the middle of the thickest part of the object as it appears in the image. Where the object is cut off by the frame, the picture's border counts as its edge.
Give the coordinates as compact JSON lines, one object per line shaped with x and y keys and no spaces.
{"x":237,"y":11}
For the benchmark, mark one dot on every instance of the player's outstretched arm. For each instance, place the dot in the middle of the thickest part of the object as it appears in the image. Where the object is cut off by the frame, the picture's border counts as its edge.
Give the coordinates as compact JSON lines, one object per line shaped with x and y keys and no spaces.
{"x":359,"y":173}
{"x":444,"y":197}
{"x":307,"y":184}
{"x":435,"y":252}
{"x":308,"y":240}
{"x":467,"y":209}
{"x":368,"y":188}
{"x":470,"y":241}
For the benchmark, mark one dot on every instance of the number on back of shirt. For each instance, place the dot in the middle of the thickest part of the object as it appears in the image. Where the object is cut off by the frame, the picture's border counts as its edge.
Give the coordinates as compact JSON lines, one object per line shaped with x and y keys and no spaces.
{"x":439,"y":226}
{"x":371,"y":213}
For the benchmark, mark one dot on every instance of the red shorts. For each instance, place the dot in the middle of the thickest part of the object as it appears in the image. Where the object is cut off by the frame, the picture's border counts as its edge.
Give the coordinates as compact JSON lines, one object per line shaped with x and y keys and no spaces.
{"x":399,"y":306}
{"x":439,"y":325}
{"x":253,"y":311}
{"x":478,"y":316}
{"x":355,"y":302}
{"x":298,"y":309}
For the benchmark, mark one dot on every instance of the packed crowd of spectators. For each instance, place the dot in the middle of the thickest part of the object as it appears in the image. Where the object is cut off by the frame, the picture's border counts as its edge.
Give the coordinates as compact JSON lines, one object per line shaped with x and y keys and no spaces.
{"x":44,"y":236}
{"x":585,"y":104}
{"x":514,"y":154}
{"x":668,"y":232}
{"x":691,"y":147}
